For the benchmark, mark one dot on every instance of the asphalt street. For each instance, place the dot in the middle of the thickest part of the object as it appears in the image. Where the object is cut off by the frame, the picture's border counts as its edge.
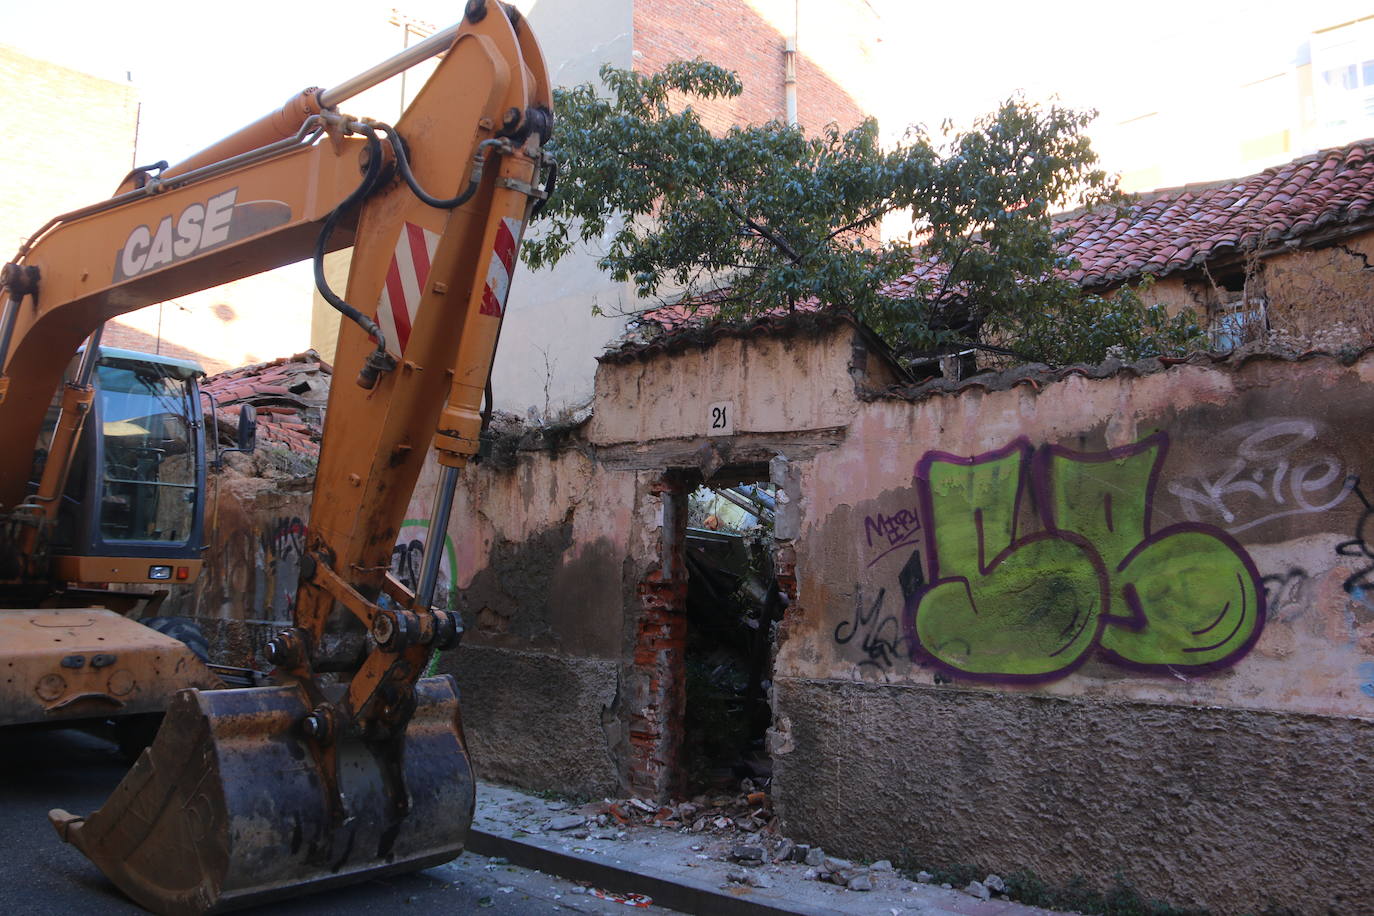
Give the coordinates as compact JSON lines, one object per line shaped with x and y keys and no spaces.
{"x":46,"y":768}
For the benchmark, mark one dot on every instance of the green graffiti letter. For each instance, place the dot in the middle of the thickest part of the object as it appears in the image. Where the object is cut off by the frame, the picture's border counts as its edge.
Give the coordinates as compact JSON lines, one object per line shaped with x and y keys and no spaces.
{"x":1001,"y":605}
{"x":1184,"y":596}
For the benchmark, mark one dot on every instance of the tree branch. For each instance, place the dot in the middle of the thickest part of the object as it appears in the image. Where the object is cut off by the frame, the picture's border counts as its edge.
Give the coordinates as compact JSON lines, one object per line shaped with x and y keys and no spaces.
{"x":777,"y":240}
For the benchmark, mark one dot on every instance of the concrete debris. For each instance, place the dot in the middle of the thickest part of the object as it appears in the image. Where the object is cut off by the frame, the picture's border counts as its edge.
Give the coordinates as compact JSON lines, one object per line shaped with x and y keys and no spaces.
{"x":747,"y":852}
{"x":566,"y":822}
{"x":557,"y":805}
{"x":750,"y":812}
{"x":729,"y":864}
{"x":751,"y":878}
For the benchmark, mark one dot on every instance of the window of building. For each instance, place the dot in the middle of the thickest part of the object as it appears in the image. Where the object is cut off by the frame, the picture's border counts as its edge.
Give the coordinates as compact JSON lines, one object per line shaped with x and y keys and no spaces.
{"x":1238,"y":322}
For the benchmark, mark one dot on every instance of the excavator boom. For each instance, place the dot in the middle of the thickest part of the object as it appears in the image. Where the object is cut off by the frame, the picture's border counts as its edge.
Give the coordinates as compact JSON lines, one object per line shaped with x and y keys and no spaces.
{"x":353,"y":764}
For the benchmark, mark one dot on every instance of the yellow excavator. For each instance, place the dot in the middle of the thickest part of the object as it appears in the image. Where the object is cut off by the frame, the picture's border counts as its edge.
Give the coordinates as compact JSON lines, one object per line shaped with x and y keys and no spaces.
{"x":351,"y":764}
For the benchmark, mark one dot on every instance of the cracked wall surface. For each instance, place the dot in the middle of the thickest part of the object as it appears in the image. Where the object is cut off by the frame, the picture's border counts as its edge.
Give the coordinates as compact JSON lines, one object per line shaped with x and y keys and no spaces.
{"x":1318,"y":296}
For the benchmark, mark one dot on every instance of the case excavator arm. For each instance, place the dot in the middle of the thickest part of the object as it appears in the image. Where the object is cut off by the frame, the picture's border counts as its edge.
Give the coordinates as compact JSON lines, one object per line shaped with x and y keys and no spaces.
{"x":354,"y":765}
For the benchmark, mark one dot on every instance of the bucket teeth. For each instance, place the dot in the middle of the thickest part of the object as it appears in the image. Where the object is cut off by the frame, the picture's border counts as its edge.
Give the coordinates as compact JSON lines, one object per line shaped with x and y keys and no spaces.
{"x":228,"y":808}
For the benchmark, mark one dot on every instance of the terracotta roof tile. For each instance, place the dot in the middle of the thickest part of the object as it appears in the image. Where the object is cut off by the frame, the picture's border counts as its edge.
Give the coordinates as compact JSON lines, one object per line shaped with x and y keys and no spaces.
{"x":288,"y":393}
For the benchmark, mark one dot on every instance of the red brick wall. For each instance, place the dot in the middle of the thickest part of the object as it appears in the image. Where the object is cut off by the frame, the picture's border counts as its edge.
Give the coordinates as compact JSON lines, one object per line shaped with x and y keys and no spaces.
{"x":658,"y":687}
{"x":732,"y":34}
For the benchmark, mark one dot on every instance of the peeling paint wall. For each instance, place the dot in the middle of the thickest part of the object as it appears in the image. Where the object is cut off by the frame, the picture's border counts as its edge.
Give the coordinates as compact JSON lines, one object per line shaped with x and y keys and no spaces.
{"x":1105,"y":609}
{"x":548,"y":554}
{"x":255,"y":530}
{"x":1132,"y":614}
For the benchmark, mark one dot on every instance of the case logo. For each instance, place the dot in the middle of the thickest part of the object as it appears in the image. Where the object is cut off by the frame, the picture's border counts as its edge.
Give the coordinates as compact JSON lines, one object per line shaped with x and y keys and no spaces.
{"x":198,"y":228}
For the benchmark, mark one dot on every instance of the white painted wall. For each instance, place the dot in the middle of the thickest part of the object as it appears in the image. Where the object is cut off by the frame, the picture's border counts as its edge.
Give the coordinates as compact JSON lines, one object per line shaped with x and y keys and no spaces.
{"x":550,"y":339}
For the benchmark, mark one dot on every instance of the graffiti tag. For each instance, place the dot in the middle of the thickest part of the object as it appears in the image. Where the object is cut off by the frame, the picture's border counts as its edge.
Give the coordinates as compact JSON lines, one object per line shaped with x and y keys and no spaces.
{"x":407,"y":560}
{"x":890,"y":532}
{"x":283,"y":545}
{"x":1265,"y":469}
{"x":1002,"y":604}
{"x":883,"y":640}
{"x":1283,"y":591}
{"x":1359,"y":583}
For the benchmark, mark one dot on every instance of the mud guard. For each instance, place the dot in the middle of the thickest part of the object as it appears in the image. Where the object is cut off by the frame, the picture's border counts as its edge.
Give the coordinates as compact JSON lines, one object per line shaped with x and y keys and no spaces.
{"x":227,"y":808}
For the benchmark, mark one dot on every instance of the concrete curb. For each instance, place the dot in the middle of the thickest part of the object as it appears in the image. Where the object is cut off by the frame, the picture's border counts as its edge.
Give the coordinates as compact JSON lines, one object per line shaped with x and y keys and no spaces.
{"x":684,"y":895}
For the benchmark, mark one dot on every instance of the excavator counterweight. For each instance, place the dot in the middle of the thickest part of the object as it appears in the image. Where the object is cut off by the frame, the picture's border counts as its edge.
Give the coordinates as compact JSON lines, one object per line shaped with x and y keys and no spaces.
{"x":352,"y":764}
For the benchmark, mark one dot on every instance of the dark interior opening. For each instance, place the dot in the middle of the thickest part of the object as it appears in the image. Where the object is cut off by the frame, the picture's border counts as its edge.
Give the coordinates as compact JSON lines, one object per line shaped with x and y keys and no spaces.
{"x":1232,"y":281}
{"x":733,"y":606}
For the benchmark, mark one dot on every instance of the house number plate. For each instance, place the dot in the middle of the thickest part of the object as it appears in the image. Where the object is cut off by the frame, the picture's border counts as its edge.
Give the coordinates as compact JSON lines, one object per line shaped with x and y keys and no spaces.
{"x":720,"y":419}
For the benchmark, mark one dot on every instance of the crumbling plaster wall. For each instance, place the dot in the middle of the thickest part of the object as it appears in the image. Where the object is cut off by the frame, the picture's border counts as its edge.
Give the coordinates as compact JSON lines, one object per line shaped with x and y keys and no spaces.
{"x":1311,"y":290}
{"x":1082,"y":624}
{"x":1094,"y":626}
{"x":545,"y":555}
{"x":255,"y":527}
{"x":566,"y":666}
{"x":1320,"y":295}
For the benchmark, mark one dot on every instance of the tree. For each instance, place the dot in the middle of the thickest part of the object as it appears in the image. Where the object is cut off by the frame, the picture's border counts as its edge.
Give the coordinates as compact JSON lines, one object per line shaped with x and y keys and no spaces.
{"x":765,"y":218}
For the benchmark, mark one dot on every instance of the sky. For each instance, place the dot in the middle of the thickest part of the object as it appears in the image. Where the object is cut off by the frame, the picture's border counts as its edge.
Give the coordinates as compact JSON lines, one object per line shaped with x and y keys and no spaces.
{"x":963,"y":57}
{"x":202,"y":70}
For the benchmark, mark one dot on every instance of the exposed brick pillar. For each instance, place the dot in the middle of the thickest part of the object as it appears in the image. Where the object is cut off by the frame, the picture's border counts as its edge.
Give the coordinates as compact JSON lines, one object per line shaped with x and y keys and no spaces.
{"x":660,"y":690}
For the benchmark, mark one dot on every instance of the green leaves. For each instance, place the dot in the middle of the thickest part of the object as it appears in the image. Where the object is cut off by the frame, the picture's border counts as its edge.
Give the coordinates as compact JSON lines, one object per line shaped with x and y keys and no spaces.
{"x":769,"y":216}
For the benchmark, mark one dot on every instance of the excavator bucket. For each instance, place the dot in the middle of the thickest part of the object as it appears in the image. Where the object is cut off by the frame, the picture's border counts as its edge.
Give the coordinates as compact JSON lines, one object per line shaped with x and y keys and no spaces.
{"x":228,"y":807}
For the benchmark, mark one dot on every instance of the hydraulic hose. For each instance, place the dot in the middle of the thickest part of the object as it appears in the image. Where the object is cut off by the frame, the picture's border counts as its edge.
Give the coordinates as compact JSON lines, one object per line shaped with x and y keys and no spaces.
{"x":403,"y":166}
{"x":366,"y":187}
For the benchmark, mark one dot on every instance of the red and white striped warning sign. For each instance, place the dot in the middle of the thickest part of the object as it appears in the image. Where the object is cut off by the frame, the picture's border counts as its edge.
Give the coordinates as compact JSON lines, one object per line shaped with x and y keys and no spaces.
{"x":409,"y":269}
{"x":502,"y":264}
{"x":405,"y":280}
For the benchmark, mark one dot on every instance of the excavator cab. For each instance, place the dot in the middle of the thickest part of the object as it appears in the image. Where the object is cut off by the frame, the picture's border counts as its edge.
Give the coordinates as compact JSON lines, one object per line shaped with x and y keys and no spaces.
{"x":131,"y":516}
{"x":134,"y":506}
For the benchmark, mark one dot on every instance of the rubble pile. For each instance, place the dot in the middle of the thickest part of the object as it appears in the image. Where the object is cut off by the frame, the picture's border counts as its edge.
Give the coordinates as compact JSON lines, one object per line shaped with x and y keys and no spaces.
{"x":739,"y":829}
{"x":749,"y":812}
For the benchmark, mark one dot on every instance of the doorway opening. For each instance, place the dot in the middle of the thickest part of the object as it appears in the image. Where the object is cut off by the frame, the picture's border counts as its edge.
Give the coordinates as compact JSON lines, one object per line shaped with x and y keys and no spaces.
{"x":733,"y":604}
